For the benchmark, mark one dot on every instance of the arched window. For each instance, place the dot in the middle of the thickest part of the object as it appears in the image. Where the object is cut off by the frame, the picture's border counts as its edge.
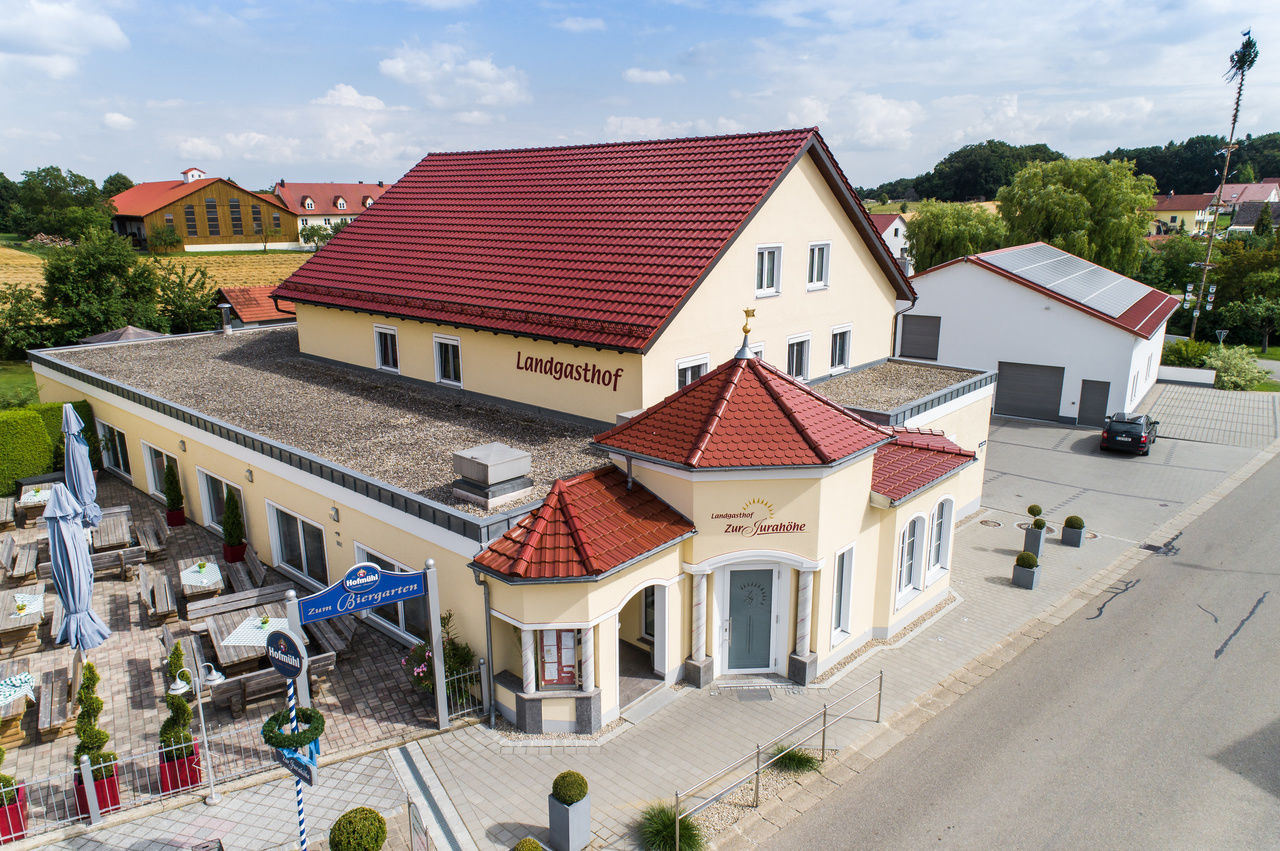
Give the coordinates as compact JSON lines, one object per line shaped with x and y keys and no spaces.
{"x":911,"y":557}
{"x":342,"y":203}
{"x":308,"y":203}
{"x":940,"y":526}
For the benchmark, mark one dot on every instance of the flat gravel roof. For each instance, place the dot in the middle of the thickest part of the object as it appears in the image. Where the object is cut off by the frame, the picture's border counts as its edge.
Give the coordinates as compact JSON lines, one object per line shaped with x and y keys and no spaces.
{"x":399,"y":432}
{"x":891,"y":385}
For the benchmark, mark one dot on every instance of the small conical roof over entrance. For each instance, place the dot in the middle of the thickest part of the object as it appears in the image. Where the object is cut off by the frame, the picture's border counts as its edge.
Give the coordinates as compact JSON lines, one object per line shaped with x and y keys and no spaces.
{"x":744,"y":413}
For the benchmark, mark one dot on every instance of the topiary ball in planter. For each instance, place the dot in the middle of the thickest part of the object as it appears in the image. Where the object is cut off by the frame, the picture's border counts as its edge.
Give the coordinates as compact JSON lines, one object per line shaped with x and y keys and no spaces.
{"x":569,"y":787}
{"x":569,"y":812}
{"x":1025,"y":571}
{"x":1034,"y":510}
{"x":528,"y":844}
{"x":1073,"y":531}
{"x":361,"y":829}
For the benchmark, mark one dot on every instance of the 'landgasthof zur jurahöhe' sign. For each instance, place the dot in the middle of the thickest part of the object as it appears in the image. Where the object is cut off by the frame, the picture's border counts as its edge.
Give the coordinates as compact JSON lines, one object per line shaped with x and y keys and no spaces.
{"x":364,"y":586}
{"x":756,"y":518}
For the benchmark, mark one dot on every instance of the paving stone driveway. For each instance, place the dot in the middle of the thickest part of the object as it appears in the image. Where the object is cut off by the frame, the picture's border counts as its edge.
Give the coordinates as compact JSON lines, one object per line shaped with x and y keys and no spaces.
{"x":1229,"y":417}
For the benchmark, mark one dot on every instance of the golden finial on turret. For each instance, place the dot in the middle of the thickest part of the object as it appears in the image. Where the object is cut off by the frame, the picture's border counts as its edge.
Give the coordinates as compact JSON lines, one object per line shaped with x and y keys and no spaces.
{"x":750,"y":313}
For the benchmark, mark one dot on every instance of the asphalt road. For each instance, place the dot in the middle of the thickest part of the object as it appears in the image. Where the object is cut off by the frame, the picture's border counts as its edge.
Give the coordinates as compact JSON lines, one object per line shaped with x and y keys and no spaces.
{"x":1149,"y":719}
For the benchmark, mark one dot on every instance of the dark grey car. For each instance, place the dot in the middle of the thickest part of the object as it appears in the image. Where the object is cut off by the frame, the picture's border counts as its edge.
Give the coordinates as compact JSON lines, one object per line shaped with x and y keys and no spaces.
{"x":1129,"y":432}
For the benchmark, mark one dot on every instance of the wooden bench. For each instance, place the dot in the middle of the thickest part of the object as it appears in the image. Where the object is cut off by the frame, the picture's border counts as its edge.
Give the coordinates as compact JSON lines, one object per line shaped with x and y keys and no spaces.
{"x":236,"y":693}
{"x":257,"y":570}
{"x":6,"y":511}
{"x":237,"y":576}
{"x":335,"y":634}
{"x":156,"y":593}
{"x":8,"y":549}
{"x":192,"y":655}
{"x":24,"y":563}
{"x":223,"y":603}
{"x":53,"y":704}
{"x":119,"y":562}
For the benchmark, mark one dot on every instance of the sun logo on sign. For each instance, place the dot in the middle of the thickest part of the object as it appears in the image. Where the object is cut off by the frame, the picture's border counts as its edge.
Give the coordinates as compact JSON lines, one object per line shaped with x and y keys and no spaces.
{"x":765,"y":506}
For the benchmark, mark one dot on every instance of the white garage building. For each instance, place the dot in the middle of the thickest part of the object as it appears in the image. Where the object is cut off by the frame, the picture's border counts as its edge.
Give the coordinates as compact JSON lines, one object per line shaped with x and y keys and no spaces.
{"x":1071,"y":340}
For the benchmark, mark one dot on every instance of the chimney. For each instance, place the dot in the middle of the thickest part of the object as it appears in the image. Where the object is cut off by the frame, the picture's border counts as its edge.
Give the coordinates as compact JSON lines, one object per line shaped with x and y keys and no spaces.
{"x":226,"y":317}
{"x":379,"y":184}
{"x":282,"y":181}
{"x":491,"y":475}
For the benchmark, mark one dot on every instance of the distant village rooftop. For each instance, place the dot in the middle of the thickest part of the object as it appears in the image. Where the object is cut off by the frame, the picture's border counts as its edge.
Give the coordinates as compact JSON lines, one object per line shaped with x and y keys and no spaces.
{"x":377,"y":425}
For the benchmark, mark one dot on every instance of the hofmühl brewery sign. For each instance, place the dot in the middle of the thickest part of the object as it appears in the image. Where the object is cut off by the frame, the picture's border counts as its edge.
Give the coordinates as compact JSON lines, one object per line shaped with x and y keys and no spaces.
{"x":756,"y":518}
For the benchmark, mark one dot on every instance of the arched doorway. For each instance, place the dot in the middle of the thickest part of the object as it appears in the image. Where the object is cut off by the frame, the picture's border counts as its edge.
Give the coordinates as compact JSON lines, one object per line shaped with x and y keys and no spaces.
{"x":642,"y":638}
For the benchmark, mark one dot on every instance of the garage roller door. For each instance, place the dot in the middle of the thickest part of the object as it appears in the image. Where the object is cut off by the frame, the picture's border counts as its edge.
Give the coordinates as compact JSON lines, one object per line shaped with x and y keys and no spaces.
{"x":920,"y":337}
{"x":1029,"y":390}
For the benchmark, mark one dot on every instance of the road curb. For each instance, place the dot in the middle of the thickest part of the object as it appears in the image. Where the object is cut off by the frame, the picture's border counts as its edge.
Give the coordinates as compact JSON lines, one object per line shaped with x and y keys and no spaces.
{"x":757,"y":825}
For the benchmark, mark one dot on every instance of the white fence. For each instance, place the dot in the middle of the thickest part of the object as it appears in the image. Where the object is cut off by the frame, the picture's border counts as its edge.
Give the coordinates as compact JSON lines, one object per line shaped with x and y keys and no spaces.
{"x":1186,"y":375}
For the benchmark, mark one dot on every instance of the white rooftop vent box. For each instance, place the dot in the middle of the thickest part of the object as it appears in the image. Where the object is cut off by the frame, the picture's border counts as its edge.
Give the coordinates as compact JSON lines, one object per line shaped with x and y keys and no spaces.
{"x":491,"y":475}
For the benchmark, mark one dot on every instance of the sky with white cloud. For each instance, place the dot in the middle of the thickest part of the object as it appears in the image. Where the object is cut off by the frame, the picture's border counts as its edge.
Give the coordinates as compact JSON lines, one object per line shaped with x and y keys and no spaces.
{"x":361,"y":89}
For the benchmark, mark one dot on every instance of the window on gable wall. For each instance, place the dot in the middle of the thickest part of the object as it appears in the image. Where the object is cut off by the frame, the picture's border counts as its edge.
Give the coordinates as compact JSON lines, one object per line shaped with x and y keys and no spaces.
{"x":768,"y":268}
{"x":211,"y":216}
{"x":256,"y":212}
{"x":819,"y":259}
{"x":798,"y":359}
{"x":840,"y":348}
{"x":237,"y":225}
{"x":189,"y":212}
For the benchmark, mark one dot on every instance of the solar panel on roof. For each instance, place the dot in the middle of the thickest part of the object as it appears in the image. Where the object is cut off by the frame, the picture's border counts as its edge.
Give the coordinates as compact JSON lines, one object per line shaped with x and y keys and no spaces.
{"x":1071,"y":277}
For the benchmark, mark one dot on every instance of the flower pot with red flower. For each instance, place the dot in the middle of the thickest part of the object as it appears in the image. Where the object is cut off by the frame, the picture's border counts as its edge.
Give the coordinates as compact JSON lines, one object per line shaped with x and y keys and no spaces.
{"x":174,"y":516}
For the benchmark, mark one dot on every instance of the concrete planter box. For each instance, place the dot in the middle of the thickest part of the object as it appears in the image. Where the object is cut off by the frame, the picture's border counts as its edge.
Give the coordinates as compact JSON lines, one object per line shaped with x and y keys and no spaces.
{"x":1072,"y":537}
{"x":570,"y":824}
{"x":1033,"y":542}
{"x":1026,"y":577}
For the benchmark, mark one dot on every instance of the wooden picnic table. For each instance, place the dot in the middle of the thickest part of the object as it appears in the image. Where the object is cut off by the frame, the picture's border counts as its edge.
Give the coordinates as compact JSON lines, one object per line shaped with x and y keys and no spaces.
{"x":215,"y":583}
{"x":11,"y":733}
{"x":114,"y":532}
{"x":19,"y":633}
{"x":238,"y":658}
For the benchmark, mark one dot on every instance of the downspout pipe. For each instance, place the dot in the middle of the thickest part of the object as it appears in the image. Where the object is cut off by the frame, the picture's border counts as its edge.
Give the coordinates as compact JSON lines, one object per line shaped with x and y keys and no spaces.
{"x":488,"y":645}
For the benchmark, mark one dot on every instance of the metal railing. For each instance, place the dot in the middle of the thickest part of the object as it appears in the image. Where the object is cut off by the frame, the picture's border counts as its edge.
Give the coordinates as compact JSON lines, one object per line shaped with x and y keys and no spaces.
{"x":467,"y":692}
{"x":733,"y":770}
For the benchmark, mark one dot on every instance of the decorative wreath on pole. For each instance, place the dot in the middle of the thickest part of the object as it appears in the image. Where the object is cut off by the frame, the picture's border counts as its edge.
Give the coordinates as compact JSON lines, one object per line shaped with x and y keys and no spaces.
{"x":273,"y":729}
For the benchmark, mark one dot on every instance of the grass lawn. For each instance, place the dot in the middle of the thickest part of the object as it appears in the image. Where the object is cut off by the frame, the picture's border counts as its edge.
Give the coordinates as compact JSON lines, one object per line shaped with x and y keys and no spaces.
{"x":1273,"y":353}
{"x":1268,"y":386}
{"x":873,"y":207}
{"x":15,"y":375}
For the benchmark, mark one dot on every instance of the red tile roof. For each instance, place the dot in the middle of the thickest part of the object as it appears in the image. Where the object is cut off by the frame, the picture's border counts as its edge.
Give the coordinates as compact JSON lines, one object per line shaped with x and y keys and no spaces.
{"x":325,"y":196}
{"x":145,"y":198}
{"x":884,"y":221}
{"x":1177,"y":203}
{"x":594,"y":244}
{"x":586,"y":526}
{"x":254,"y":304}
{"x":744,"y":413}
{"x":914,"y":460}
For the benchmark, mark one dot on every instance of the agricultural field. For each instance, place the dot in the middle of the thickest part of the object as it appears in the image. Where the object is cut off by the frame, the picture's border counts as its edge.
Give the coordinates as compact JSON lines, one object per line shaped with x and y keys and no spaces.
{"x":225,"y":270}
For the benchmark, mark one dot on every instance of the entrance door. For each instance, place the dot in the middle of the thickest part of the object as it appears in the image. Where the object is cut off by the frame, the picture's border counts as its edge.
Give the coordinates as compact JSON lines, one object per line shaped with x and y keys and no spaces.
{"x":750,"y":618}
{"x":1093,"y":402}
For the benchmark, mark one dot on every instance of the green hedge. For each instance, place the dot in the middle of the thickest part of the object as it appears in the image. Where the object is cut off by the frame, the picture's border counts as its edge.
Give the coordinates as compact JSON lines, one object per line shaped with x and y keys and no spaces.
{"x":51,"y":414}
{"x":25,"y":448}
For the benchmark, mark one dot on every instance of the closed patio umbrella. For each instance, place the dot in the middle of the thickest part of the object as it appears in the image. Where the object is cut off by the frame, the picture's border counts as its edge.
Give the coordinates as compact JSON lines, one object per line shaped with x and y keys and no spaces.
{"x":72,"y":572}
{"x":78,"y":469}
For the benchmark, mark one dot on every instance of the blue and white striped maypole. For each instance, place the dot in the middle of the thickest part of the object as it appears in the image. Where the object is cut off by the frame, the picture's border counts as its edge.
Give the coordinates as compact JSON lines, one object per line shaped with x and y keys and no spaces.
{"x":297,"y":781}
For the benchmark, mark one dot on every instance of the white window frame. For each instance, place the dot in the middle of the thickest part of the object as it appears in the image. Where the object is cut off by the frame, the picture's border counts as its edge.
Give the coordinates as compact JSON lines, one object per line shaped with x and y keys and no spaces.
{"x":203,"y":476}
{"x":309,"y":204}
{"x":908,"y":580}
{"x":703,"y":360}
{"x":153,"y":487}
{"x":444,"y":339}
{"x":824,"y":274}
{"x":776,"y":288}
{"x":939,"y":556}
{"x":122,"y":440}
{"x":757,"y":349}
{"x":841,"y":596}
{"x":273,"y":533}
{"x":648,"y":595}
{"x":342,"y":204}
{"x":846,"y":329}
{"x":377,"y":347}
{"x":363,"y":553}
{"x":807,"y":340}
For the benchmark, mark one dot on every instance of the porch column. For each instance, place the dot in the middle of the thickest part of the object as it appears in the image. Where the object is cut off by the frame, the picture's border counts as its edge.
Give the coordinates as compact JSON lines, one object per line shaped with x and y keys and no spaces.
{"x":804,"y":606}
{"x":528,"y":661}
{"x":588,"y":658}
{"x":699,"y":617}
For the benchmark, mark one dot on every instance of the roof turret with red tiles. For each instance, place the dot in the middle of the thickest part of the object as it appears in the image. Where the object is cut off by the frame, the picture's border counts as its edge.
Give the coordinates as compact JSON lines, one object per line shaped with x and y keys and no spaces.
{"x":595,"y":244}
{"x":914,"y":460}
{"x":744,"y":413}
{"x":586,"y":526}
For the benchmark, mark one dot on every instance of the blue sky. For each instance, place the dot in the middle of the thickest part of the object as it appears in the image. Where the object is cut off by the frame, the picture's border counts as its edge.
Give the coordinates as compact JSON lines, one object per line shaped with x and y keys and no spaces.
{"x":362,"y":89}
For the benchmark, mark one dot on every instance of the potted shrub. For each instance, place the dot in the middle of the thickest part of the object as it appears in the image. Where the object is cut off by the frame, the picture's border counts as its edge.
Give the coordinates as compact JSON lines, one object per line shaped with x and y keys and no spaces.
{"x":1026,"y":571}
{"x":528,"y":844}
{"x":361,"y":829}
{"x":175,"y":516}
{"x":13,"y":807}
{"x":1073,"y":531}
{"x":459,"y":658}
{"x":1033,"y":540}
{"x":106,"y":785}
{"x":569,"y":812}
{"x":233,"y":545}
{"x":179,"y":752}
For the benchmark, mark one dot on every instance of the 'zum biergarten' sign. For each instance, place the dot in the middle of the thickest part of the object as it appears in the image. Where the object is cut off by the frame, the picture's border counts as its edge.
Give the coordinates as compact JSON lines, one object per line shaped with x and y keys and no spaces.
{"x":366,"y":585}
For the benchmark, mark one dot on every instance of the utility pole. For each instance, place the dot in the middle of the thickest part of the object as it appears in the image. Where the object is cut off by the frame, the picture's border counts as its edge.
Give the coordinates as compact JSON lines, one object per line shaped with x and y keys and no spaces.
{"x":1241,"y":61}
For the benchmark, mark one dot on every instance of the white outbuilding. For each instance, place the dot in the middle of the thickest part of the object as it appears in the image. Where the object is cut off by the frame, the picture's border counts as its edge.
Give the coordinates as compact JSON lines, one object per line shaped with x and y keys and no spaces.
{"x":1072,"y":341}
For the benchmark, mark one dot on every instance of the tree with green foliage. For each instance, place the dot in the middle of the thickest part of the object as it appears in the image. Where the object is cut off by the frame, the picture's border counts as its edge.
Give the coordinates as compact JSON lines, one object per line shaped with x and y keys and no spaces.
{"x":1168,"y":266}
{"x":186,"y":298}
{"x":1246,"y":173}
{"x":979,"y":171}
{"x":337,"y":226}
{"x":1246,"y":268}
{"x":942,"y":231}
{"x":21,"y":324}
{"x":97,"y":286}
{"x":316,"y":235}
{"x":1259,"y":314}
{"x":175,"y":731}
{"x":8,"y":197}
{"x":58,"y":203}
{"x":232,"y":520}
{"x":1236,"y":367}
{"x":1094,"y":210}
{"x":163,"y":239}
{"x":114,"y":184}
{"x":172,"y":487}
{"x":92,"y":738}
{"x":1263,"y":227}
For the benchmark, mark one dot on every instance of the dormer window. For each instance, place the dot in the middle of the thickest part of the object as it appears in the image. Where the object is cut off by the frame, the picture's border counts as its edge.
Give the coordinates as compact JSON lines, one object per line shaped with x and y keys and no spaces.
{"x":367,"y":201}
{"x":308,"y":203}
{"x":341,"y":204}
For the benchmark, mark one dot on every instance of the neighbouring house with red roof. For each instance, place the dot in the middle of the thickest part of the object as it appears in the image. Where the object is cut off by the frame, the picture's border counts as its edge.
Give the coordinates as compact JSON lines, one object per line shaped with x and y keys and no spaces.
{"x":327,"y":204}
{"x":1191,"y":214}
{"x":892,"y":228}
{"x":528,"y":370}
{"x":253,"y":307}
{"x":205,"y":213}
{"x":1070,"y":340}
